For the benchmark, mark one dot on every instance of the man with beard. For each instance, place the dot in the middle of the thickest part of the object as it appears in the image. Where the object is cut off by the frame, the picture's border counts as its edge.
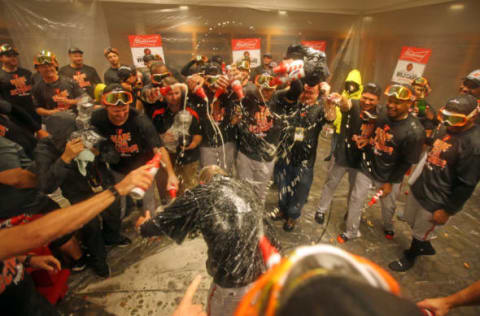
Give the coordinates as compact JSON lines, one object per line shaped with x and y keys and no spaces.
{"x":396,"y":144}
{"x":86,"y":76}
{"x":358,"y":118}
{"x":447,"y":180}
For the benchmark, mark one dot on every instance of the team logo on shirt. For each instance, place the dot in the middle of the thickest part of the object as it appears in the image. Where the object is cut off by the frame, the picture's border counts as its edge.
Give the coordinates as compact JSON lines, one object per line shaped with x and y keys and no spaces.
{"x":3,"y":130}
{"x":121,"y":140}
{"x":60,"y":98}
{"x":218,"y":112}
{"x":439,"y":146}
{"x":263,"y":121}
{"x":366,"y":130}
{"x":21,"y":87}
{"x":12,"y":272}
{"x":80,"y":77}
{"x":380,"y":140}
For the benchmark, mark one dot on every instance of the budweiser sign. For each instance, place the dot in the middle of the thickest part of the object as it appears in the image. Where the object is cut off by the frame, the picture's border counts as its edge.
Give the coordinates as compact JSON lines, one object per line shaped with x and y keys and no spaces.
{"x":318,"y":45}
{"x":417,"y":55}
{"x":246,"y":44}
{"x":145,"y":40}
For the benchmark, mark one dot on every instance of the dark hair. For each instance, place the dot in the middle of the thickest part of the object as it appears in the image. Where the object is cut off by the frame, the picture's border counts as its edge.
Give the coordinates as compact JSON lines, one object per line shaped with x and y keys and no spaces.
{"x":295,"y":51}
{"x":372,"y":88}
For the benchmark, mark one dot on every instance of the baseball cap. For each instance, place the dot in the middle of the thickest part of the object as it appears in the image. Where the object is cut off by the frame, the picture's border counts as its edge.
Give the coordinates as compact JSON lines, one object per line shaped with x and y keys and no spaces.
{"x":269,"y":55}
{"x":124,"y":72}
{"x":109,"y":50}
{"x":72,"y":50}
{"x":474,"y":76}
{"x":464,"y":104}
{"x":372,"y":88}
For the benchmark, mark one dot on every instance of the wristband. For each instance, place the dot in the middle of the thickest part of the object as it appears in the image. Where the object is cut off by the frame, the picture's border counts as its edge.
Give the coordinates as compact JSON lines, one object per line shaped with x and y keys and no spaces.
{"x":27,"y":261}
{"x":114,"y":191}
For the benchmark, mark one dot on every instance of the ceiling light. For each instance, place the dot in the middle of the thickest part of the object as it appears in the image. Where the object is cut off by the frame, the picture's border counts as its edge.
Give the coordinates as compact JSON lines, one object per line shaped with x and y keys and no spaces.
{"x":282,"y":12}
{"x":183,"y":7}
{"x":457,"y":6}
{"x":367,"y":18}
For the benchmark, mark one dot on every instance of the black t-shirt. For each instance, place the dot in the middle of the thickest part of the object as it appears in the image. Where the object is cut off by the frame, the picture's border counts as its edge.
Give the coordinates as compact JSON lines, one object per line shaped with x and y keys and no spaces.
{"x":451,"y":171}
{"x":393,"y":148}
{"x":18,"y":135}
{"x":111,"y":76}
{"x":230,"y":218}
{"x":14,"y":201}
{"x":346,"y":151}
{"x":306,"y":123}
{"x":259,"y":133}
{"x":219,"y":115}
{"x":167,"y":121}
{"x":134,"y":140}
{"x":86,"y":77}
{"x":45,"y":94}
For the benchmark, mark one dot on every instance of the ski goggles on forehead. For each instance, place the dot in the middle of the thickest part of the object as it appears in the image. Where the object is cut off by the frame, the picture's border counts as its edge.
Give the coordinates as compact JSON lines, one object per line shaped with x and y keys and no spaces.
{"x":117,"y":98}
{"x":449,"y":118}
{"x":276,"y":285}
{"x":399,"y":92}
{"x":8,"y":50}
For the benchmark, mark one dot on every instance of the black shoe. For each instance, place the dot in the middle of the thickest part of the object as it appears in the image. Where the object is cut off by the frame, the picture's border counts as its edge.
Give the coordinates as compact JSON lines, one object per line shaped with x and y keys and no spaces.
{"x":102,"y":269}
{"x":401,"y":265}
{"x":289,"y":225}
{"x":320,"y":217}
{"x":328,"y":158}
{"x":122,"y":241}
{"x":79,"y":265}
{"x":276,"y":214}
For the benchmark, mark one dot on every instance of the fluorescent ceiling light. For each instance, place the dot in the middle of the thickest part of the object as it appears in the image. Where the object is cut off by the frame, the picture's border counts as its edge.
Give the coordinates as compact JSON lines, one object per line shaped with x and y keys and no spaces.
{"x":457,"y":6}
{"x":282,"y":12}
{"x":183,"y":7}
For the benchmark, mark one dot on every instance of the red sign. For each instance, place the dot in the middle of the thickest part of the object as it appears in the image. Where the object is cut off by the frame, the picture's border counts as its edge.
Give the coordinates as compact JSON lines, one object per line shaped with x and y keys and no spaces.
{"x":417,"y":55}
{"x":245,"y":43}
{"x":153,"y":40}
{"x":318,"y":45}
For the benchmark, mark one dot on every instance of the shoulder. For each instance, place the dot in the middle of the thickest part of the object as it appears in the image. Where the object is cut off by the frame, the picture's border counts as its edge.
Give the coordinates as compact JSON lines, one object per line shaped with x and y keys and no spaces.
{"x":64,"y":69}
{"x":99,"y":116}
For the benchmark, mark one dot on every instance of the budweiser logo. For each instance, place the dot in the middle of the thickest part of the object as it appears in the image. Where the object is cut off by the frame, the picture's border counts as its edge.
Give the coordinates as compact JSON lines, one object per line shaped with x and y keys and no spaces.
{"x":414,"y":55}
{"x":246,"y":44}
{"x":145,"y":41}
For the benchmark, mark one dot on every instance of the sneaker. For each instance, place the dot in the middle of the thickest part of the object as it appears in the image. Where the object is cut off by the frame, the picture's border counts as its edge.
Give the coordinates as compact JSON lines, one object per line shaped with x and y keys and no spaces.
{"x":342,"y":238}
{"x":122,"y":241}
{"x":289,"y":225}
{"x":389,"y":234}
{"x":79,"y":265}
{"x":102,"y":269}
{"x":320,"y":217}
{"x":276,"y":214}
{"x":401,"y":265}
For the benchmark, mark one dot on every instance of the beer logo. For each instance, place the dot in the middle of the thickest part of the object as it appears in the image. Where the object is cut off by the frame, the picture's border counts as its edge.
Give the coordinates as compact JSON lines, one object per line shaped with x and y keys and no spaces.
{"x":415,"y":55}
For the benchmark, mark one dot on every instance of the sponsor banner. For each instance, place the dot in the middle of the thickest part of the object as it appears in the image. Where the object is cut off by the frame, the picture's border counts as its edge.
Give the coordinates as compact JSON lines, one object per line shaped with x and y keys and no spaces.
{"x":142,"y":45}
{"x":411,"y":64}
{"x":318,"y":45}
{"x":246,"y":48}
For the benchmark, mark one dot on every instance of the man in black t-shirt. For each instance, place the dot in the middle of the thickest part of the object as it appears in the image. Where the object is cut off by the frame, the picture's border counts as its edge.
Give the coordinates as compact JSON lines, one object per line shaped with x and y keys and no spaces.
{"x":111,"y":75}
{"x":358,"y":118}
{"x":396,"y":144}
{"x":258,"y":134}
{"x":16,"y":88}
{"x":447,"y":180}
{"x":85,"y":76}
{"x":53,"y":93}
{"x":133,"y":136}
{"x":265,"y":67}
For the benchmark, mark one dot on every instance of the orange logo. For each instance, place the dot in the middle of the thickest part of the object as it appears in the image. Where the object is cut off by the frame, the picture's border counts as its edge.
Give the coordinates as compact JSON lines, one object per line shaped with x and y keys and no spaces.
{"x":439,"y":146}
{"x":366,"y":130}
{"x":121,"y":142}
{"x":11,"y":272}
{"x":263,"y":119}
{"x":21,"y":87}
{"x":380,"y":141}
{"x":218,"y":112}
{"x":60,"y":98}
{"x":3,"y":130}
{"x":79,"y":77}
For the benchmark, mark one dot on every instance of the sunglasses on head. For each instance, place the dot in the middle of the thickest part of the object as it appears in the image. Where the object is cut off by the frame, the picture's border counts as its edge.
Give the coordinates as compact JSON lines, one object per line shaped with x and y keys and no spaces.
{"x":117,"y":98}
{"x":399,"y":92}
{"x":450,"y":118}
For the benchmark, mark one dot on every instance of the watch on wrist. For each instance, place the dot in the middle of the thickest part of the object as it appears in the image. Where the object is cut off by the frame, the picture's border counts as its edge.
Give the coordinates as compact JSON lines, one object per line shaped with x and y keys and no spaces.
{"x":114,"y":191}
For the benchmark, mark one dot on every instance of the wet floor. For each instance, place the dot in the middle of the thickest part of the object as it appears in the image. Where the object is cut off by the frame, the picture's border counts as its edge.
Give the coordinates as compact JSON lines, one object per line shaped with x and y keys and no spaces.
{"x":150,"y":277}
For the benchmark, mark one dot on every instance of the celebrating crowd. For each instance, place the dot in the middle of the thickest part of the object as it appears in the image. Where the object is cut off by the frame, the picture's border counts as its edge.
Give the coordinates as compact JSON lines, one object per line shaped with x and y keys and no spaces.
{"x":205,"y":143}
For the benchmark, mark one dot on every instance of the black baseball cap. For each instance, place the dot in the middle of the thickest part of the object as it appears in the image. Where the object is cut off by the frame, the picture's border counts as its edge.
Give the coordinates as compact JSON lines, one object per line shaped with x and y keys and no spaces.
{"x":464,"y":104}
{"x":72,"y":50}
{"x":124,"y":72}
{"x":372,"y":88}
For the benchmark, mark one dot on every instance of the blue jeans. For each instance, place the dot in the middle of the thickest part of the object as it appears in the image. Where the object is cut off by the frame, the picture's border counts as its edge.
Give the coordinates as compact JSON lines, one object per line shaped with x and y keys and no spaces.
{"x":294,"y":184}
